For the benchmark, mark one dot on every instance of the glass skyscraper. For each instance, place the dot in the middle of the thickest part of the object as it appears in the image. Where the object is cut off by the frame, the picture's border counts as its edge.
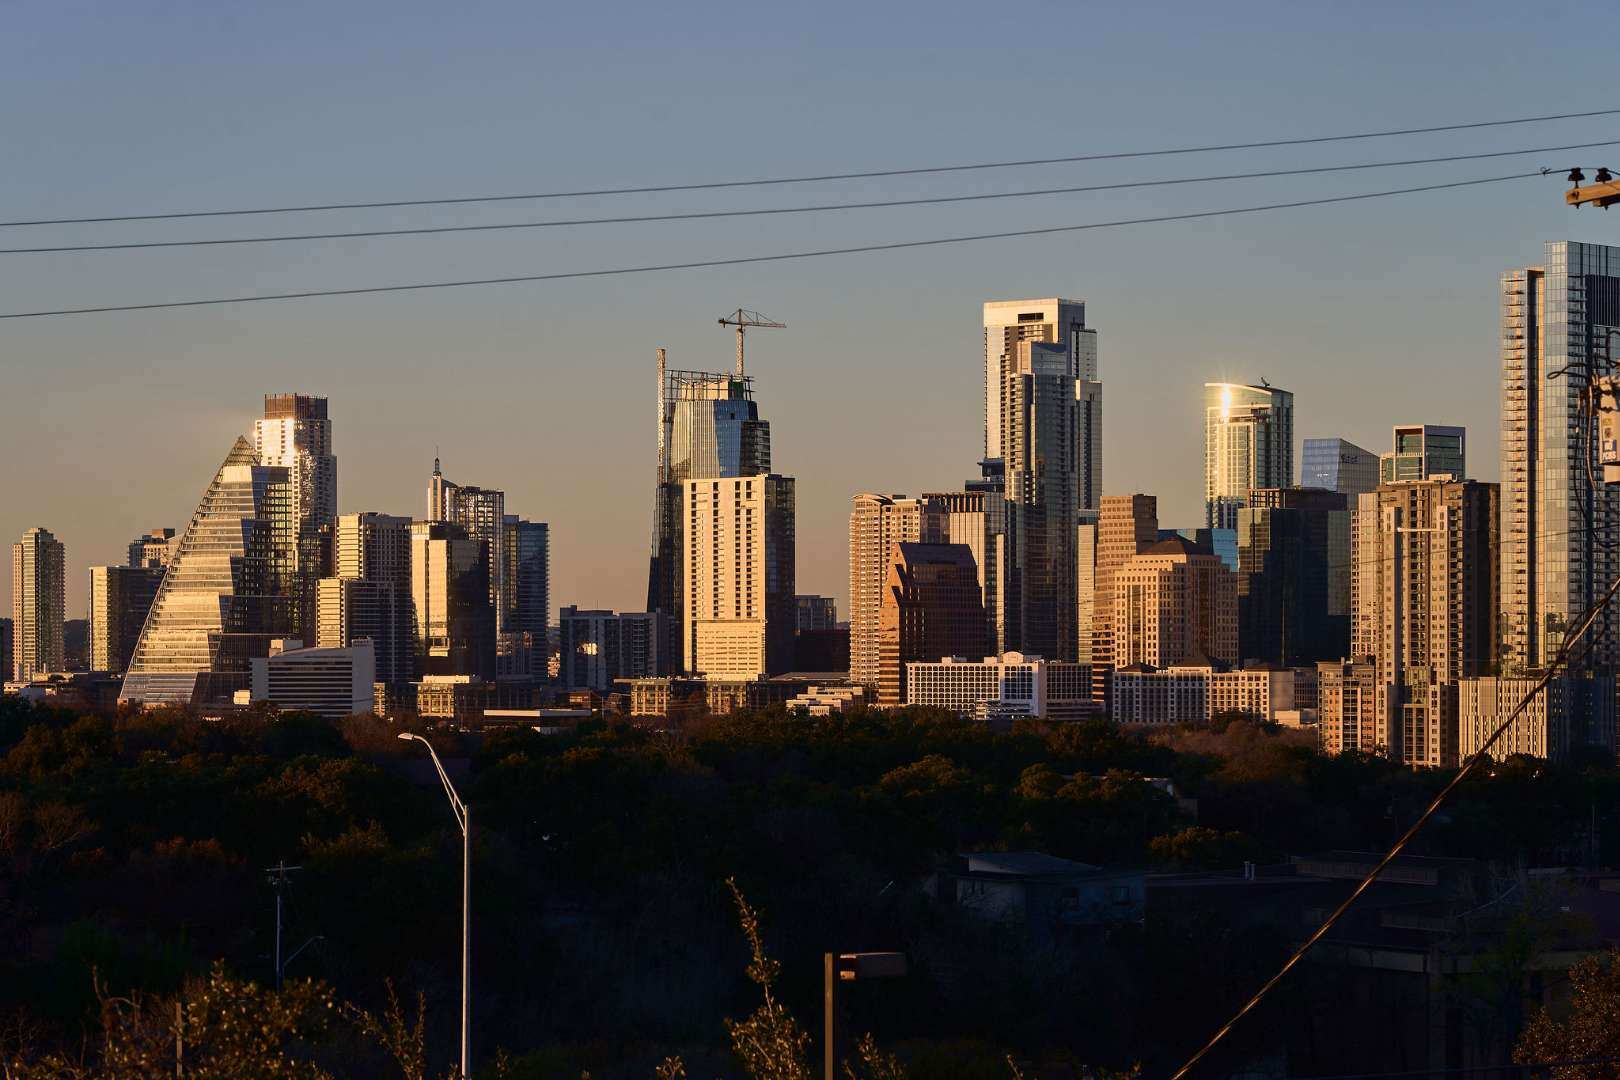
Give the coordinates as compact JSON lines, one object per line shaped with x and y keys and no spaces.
{"x":1248,"y":443}
{"x":1556,"y":322}
{"x":1424,"y":450}
{"x":232,"y":585}
{"x":1337,"y":465}
{"x":1040,"y":582}
{"x":1037,"y":352}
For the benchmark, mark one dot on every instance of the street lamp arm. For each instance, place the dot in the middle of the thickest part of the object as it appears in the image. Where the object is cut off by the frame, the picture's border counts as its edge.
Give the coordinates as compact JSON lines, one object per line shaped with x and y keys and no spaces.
{"x":457,"y":807}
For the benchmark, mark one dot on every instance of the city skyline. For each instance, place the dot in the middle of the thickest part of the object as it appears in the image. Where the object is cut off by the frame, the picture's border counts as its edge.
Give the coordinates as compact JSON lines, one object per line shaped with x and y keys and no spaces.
{"x":507,"y":379}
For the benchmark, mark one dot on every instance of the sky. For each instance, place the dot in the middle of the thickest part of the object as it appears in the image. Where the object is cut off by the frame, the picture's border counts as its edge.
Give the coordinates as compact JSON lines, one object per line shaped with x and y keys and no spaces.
{"x":1373,"y":313}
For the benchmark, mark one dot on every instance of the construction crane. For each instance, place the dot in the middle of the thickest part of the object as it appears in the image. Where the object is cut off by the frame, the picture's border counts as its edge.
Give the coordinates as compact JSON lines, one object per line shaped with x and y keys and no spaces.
{"x":742,"y":319}
{"x":1604,"y":190}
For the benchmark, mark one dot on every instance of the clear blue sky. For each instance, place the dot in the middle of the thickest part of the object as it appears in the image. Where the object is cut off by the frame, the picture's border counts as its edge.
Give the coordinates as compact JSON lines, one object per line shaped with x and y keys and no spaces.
{"x":1372,"y":313}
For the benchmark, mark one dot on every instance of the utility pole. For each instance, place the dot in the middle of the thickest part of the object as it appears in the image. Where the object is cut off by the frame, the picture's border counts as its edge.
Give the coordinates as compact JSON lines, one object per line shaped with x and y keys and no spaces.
{"x":279,"y":879}
{"x":1604,"y":190}
{"x":742,"y":319}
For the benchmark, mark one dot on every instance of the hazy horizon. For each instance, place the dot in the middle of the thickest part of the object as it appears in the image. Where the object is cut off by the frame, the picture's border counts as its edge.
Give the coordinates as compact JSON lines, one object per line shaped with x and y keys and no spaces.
{"x":1372,"y":313}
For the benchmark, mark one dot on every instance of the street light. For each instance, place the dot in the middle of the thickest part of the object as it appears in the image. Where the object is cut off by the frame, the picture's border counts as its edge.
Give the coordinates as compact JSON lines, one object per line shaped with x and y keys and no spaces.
{"x":463,"y":819}
{"x":849,"y":967}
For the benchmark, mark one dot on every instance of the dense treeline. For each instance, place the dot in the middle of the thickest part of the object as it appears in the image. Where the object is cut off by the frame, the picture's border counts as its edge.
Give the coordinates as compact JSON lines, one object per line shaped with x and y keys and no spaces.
{"x":134,"y":847}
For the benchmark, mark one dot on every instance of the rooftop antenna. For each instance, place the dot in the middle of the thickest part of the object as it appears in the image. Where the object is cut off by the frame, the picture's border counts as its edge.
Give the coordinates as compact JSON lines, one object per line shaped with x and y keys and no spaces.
{"x":742,"y":319}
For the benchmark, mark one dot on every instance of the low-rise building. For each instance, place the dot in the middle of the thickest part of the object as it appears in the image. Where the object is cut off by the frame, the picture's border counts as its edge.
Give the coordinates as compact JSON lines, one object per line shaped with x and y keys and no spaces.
{"x":998,"y":687}
{"x":1046,"y":896}
{"x":1571,"y":711}
{"x":826,"y":700}
{"x":457,"y":700}
{"x":331,"y":682}
{"x":1198,"y":693}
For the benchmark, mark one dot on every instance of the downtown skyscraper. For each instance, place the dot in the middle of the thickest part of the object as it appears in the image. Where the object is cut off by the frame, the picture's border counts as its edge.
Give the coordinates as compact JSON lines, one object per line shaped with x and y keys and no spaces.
{"x":228,"y":591}
{"x":38,"y":600}
{"x":1248,"y":443}
{"x":1557,"y":557}
{"x":296,"y":434}
{"x":876,"y":524}
{"x":709,"y":428}
{"x":1043,"y":457}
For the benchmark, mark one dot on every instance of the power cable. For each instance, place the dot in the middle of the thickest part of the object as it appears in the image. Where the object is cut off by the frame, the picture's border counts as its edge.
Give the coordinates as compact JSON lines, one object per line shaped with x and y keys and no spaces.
{"x":816,"y":178}
{"x":1574,"y":635}
{"x":823,"y":208}
{"x":746,"y":260}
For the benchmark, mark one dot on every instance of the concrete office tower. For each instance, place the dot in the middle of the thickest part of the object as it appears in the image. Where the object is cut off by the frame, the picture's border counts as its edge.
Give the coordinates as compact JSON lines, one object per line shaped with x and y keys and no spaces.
{"x":455,"y":621}
{"x":1062,"y":324}
{"x":6,"y":648}
{"x":153,"y":549}
{"x":739,"y":553}
{"x":708,"y":428}
{"x":369,"y":595}
{"x":931,"y":609}
{"x":975,"y":517}
{"x":815,"y":613}
{"x":1338,"y":465}
{"x":1293,"y":576}
{"x":38,"y":604}
{"x":598,"y":648}
{"x":1174,"y":604}
{"x":1556,"y":560}
{"x":1127,"y":525}
{"x":481,"y":514}
{"x":296,"y":434}
{"x":876,"y":524}
{"x":1422,"y":451}
{"x":1423,"y":605}
{"x":225,"y":594}
{"x":1038,"y":433}
{"x":1248,"y":443}
{"x":120,"y":598}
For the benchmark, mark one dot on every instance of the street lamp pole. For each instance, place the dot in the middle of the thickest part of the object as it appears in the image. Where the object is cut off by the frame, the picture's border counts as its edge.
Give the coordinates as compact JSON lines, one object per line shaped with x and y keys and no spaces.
{"x":464,"y":819}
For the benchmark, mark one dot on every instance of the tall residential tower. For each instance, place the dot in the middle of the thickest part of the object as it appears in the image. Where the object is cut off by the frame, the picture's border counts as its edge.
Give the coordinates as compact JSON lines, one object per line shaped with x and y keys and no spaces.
{"x":1248,"y":443}
{"x":38,"y":602}
{"x":1556,"y":320}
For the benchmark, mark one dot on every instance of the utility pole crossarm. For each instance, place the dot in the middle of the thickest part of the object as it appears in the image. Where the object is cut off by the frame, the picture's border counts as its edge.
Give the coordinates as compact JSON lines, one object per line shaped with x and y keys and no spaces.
{"x":1604,"y":195}
{"x":1604,"y":190}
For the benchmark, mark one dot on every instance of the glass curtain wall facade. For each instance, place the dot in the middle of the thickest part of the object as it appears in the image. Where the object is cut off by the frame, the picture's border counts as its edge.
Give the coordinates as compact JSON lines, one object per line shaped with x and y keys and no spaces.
{"x":1424,"y":450}
{"x":1337,"y":465}
{"x":296,"y":434}
{"x":1042,"y":486}
{"x":1248,"y":443}
{"x":1557,"y":319}
{"x":226,"y":593}
{"x":1290,"y":543}
{"x":120,"y":597}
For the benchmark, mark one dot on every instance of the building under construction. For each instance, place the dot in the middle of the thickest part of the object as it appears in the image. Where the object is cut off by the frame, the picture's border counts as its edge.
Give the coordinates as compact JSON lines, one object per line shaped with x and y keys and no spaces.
{"x":708,"y":428}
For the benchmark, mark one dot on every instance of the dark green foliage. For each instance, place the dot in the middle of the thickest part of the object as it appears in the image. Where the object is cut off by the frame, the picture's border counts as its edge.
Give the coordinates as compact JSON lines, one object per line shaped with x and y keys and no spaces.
{"x":136,"y":844}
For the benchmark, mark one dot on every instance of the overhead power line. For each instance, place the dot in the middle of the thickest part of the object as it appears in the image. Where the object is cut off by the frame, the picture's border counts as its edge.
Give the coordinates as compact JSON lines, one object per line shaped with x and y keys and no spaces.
{"x":705,"y":214}
{"x":1565,"y":651}
{"x":814,"y":178}
{"x":756,"y":259}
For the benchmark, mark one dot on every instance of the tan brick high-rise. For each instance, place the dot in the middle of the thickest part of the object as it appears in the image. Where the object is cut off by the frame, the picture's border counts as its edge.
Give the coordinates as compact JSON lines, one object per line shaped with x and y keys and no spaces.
{"x":876,"y":524}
